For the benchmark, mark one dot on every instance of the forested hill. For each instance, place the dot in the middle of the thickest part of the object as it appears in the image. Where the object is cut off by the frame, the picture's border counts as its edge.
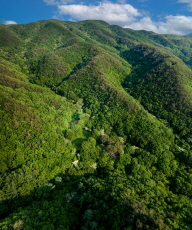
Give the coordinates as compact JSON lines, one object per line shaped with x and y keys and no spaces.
{"x":96,"y":128}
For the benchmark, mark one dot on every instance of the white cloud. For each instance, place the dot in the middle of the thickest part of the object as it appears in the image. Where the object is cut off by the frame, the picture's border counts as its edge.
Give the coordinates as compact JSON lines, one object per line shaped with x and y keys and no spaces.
{"x":179,"y":25}
{"x":124,"y":15}
{"x":107,"y":11}
{"x":144,"y":24}
{"x":176,"y":25}
{"x":9,"y":22}
{"x":189,"y":2}
{"x":50,"y":2}
{"x":122,"y":1}
{"x":57,"y":2}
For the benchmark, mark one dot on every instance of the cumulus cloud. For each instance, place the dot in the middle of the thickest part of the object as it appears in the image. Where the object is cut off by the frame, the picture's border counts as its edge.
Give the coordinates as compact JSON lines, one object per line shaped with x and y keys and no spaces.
{"x":124,"y":15}
{"x":107,"y":11}
{"x":188,"y":2}
{"x":179,"y":25}
{"x":144,"y":23}
{"x":9,"y":22}
{"x":176,"y":25}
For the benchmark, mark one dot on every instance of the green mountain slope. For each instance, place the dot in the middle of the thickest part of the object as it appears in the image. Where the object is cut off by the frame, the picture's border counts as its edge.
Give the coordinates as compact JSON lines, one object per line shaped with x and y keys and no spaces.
{"x":95,"y":127}
{"x":163,"y":87}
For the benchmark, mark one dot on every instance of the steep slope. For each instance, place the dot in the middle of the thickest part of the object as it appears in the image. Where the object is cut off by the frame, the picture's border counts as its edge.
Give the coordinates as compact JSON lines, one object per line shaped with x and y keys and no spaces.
{"x":161,"y":86}
{"x":79,"y":150}
{"x":33,"y":120}
{"x":177,"y":45}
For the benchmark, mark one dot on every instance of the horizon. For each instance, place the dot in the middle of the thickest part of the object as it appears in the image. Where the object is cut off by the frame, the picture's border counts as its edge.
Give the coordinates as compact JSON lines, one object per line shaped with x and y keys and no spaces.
{"x":165,"y":17}
{"x":89,"y":20}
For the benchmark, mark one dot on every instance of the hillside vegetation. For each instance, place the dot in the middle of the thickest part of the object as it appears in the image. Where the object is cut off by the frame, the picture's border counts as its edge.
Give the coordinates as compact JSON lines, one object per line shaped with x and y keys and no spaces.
{"x":96,"y":128}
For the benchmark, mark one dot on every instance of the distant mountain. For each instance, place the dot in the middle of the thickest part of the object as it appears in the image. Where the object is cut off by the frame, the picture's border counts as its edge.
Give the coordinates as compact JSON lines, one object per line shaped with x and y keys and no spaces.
{"x":188,"y":35}
{"x":96,"y":127}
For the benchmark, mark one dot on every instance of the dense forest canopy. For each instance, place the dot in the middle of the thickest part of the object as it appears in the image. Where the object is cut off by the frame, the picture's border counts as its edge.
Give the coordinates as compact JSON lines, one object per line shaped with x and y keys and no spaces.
{"x":96,"y":127}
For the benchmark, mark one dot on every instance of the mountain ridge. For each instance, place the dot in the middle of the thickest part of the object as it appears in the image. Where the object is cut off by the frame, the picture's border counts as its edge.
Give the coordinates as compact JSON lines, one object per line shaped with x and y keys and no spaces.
{"x":96,"y":127}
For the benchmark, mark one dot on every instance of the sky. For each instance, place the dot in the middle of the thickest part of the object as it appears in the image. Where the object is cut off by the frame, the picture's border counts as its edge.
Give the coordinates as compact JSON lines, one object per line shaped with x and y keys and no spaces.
{"x":159,"y":16}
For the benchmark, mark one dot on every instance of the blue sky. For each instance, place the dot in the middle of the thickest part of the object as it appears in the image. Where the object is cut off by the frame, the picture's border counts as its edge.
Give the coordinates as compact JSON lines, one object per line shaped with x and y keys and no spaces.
{"x":160,"y":16}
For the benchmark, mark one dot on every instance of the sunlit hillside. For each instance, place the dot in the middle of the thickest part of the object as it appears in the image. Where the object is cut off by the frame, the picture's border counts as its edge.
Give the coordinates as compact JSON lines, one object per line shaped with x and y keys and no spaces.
{"x":96,"y":128}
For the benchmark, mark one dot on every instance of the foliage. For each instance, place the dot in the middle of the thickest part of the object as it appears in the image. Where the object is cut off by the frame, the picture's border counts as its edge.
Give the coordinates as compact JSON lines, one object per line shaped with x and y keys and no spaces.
{"x":95,"y":127}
